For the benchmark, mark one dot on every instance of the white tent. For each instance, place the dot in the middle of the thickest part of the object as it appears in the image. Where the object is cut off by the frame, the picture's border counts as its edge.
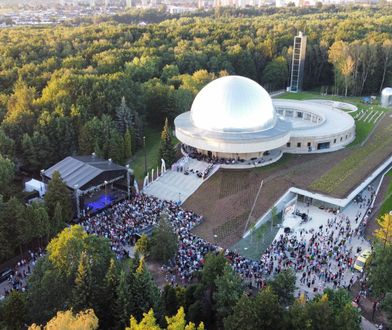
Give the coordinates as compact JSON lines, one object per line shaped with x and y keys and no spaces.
{"x":35,"y":185}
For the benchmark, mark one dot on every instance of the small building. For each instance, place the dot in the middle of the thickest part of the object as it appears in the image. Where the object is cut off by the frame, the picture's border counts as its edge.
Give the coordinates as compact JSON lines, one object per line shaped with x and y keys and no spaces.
{"x":386,"y":97}
{"x":35,"y":185}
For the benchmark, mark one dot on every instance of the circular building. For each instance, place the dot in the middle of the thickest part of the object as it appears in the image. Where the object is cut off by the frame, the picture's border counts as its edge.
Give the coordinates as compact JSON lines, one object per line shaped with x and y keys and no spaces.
{"x":233,"y":117}
{"x":233,"y":121}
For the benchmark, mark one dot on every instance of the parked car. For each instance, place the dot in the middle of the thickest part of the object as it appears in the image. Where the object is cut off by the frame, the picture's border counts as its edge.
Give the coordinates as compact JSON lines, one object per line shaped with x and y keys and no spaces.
{"x":5,"y":274}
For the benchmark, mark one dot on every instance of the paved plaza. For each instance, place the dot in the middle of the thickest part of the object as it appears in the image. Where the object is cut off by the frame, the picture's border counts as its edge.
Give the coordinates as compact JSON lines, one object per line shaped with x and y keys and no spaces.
{"x":175,"y":185}
{"x":338,"y":237}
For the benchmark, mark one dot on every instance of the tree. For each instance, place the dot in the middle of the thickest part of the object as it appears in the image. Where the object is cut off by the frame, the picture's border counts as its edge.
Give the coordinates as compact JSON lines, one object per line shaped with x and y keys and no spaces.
{"x":298,"y":318}
{"x":49,"y":291}
{"x":115,"y":146}
{"x":65,"y":250}
{"x":214,"y":266}
{"x":320,"y":313}
{"x":143,"y":245}
{"x":19,"y":224}
{"x":58,"y":193}
{"x":229,"y":289}
{"x":39,"y":222}
{"x":123,"y":116}
{"x":148,"y":322}
{"x":243,"y":316}
{"x":260,"y":312}
{"x":85,"y":320}
{"x":275,"y":73}
{"x":63,"y":274}
{"x":387,"y":306}
{"x":164,"y":241}
{"x":13,"y":311}
{"x":345,"y":316}
{"x":384,"y":232}
{"x":6,"y":173}
{"x":169,"y":300}
{"x":57,"y":220}
{"x":386,"y":50}
{"x":7,"y":145}
{"x":380,"y":275}
{"x":107,"y":297}
{"x":283,"y":285}
{"x":20,"y":113}
{"x":127,"y":144}
{"x":28,"y":152}
{"x":166,"y":149}
{"x":122,"y":304}
{"x":82,"y":291}
{"x":178,"y":322}
{"x":344,"y":63}
{"x":145,"y":292}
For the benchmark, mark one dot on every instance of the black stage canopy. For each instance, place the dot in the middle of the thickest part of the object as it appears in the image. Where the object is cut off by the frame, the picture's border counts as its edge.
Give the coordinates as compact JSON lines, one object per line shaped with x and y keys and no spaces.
{"x":84,"y":172}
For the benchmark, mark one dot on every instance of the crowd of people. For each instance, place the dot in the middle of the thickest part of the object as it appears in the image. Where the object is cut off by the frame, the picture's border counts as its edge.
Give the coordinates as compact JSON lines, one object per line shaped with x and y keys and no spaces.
{"x":18,"y":274}
{"x":193,"y":153}
{"x":321,"y":257}
{"x":124,"y":222}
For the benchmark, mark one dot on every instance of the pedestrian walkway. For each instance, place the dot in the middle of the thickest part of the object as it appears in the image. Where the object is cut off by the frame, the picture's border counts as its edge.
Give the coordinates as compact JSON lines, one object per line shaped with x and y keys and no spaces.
{"x":177,"y":186}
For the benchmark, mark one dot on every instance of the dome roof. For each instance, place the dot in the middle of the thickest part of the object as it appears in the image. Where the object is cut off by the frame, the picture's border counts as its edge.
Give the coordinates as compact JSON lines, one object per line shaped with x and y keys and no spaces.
{"x":387,"y":91}
{"x":233,"y":103}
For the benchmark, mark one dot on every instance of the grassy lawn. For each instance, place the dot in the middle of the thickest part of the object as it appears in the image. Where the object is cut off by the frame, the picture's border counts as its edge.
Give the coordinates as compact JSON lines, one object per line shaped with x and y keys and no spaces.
{"x":316,"y":95}
{"x":362,"y":130}
{"x":374,"y":150}
{"x":152,"y":147}
{"x":153,"y":137}
{"x":387,"y":203}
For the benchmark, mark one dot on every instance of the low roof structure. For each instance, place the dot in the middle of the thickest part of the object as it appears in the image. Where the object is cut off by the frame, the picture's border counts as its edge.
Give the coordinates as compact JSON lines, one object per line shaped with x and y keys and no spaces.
{"x":84,"y":172}
{"x":35,"y":185}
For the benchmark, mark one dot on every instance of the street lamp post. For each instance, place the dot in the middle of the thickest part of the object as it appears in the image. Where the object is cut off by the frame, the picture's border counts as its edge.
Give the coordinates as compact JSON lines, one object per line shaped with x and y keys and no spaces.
{"x":42,"y":175}
{"x":145,"y":156}
{"x":128,"y":181}
{"x":105,"y":182}
{"x":77,"y":200}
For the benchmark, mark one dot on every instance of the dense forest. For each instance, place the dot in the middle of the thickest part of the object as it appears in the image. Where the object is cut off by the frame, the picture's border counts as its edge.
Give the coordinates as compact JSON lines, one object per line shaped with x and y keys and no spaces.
{"x":64,"y":85}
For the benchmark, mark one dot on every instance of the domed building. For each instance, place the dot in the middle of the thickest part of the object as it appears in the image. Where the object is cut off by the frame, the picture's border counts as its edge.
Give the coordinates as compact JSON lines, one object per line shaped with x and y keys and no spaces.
{"x":234,"y":121}
{"x":233,"y":117}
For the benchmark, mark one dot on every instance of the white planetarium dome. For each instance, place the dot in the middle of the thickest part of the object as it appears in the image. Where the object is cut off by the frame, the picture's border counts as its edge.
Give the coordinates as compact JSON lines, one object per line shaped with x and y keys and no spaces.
{"x":233,"y":103}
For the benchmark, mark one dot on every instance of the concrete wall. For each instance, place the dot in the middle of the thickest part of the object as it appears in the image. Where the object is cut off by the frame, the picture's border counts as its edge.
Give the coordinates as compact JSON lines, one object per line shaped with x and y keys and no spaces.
{"x":336,"y":141}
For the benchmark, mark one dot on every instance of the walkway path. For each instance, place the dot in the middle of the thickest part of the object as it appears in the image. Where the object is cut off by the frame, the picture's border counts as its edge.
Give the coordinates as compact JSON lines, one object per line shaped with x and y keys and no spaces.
{"x":177,"y":186}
